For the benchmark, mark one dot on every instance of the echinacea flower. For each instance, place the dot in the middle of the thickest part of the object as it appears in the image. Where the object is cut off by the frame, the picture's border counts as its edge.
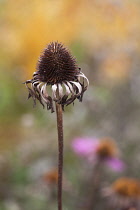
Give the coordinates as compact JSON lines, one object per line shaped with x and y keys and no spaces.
{"x":103,"y":150}
{"x":57,"y":68}
{"x":124,"y":193}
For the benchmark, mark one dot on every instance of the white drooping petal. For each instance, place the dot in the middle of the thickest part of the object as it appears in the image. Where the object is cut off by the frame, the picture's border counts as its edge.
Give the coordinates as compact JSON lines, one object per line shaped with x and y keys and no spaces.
{"x":82,"y":75}
{"x":35,"y":85}
{"x":38,"y":86}
{"x":54,"y":89}
{"x":77,"y":84}
{"x":70,"y":87}
{"x":42,"y":89}
{"x":33,"y":88}
{"x":67,"y":89}
{"x":45,"y":90}
{"x":34,"y":74}
{"x":44,"y":93}
{"x":60,"y":90}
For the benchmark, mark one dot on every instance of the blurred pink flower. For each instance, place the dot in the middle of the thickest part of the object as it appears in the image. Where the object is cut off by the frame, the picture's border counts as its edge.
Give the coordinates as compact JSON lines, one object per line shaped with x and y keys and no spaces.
{"x":115,"y":164}
{"x":84,"y":146}
{"x":94,"y":150}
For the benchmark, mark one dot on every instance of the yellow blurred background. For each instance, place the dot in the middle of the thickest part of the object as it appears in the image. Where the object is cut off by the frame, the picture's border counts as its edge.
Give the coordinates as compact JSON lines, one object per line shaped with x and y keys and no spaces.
{"x":27,"y":26}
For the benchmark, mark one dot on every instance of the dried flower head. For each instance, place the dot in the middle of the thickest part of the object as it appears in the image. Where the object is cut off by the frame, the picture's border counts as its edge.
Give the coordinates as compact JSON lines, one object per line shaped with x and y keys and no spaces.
{"x":57,"y":68}
{"x":124,"y":193}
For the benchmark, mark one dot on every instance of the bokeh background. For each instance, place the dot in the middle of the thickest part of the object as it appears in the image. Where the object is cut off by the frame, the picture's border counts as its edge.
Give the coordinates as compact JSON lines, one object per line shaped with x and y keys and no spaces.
{"x":104,"y":36}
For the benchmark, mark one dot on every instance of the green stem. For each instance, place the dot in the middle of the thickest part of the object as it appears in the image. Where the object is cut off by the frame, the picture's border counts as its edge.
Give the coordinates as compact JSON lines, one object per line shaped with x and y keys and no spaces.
{"x":94,"y":186}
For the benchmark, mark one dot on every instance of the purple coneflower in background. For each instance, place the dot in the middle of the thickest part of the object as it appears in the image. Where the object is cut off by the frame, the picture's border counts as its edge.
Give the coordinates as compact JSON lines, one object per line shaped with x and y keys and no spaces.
{"x":97,"y":150}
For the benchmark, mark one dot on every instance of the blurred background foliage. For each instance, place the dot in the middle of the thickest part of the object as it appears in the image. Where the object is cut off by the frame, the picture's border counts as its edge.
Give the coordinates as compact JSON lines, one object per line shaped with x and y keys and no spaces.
{"x":104,"y":36}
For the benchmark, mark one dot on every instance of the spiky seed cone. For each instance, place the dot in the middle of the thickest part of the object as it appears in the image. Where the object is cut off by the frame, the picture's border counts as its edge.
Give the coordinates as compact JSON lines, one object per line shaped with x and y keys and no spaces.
{"x":56,"y":65}
{"x":58,"y":69}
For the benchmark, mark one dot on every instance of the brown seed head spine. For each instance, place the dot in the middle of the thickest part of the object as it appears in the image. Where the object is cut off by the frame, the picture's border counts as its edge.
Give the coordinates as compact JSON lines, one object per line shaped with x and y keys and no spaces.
{"x":56,"y":65}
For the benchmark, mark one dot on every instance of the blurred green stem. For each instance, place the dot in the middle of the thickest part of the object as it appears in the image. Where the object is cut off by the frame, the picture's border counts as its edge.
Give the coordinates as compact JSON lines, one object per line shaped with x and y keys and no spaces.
{"x":94,"y":186}
{"x":59,"y":113}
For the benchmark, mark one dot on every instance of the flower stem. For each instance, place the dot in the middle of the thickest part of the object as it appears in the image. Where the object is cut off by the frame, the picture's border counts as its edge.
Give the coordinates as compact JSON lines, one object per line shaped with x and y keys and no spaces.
{"x":94,"y":186}
{"x":59,"y":113}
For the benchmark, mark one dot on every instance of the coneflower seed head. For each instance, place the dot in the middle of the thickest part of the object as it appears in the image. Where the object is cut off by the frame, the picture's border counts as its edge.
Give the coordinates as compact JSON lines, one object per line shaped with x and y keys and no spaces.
{"x":56,"y":65}
{"x":58,"y":69}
